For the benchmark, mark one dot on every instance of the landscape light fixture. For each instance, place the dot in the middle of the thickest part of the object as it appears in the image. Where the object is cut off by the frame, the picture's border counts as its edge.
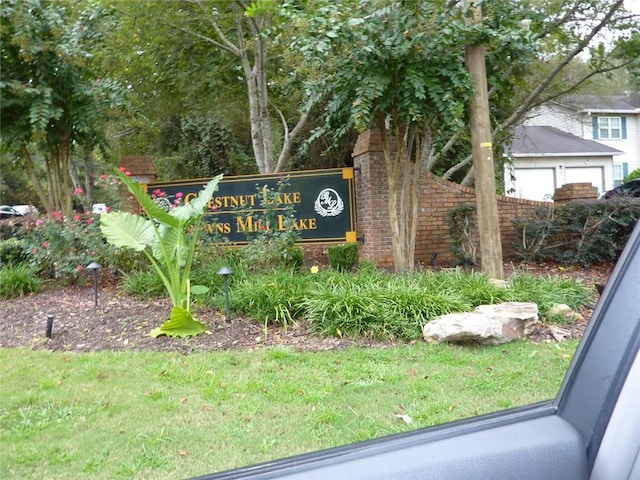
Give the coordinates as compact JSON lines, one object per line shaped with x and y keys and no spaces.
{"x":225,"y":272}
{"x":94,"y":267}
{"x":49,"y":325}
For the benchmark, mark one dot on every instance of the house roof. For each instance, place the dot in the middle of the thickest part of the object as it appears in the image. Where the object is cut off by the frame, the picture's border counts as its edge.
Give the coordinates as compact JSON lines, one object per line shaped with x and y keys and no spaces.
{"x":603,"y":103}
{"x":541,"y":141}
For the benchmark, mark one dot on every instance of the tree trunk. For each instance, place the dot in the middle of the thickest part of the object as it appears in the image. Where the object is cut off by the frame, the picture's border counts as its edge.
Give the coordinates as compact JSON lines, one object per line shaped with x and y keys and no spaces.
{"x":485,"y":186}
{"x":31,"y":170}
{"x":88,"y":178}
{"x":403,"y":160}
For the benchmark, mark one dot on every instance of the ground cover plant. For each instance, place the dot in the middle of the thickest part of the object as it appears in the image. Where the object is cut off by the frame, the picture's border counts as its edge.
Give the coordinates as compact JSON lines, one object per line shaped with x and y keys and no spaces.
{"x":374,"y":303}
{"x":152,"y":415}
{"x":18,"y":280}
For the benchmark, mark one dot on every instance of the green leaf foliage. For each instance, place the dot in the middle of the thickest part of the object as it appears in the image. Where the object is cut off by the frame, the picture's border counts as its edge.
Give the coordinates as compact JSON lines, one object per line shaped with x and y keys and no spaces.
{"x":199,"y":289}
{"x":587,"y":232}
{"x":150,"y":208}
{"x":54,"y":100}
{"x":18,"y":280}
{"x":181,"y":324}
{"x":123,"y":229}
{"x":380,"y":305}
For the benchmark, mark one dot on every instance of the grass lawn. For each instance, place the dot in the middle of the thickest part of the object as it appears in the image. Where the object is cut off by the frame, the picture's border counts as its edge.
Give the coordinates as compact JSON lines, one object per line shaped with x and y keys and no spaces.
{"x":155,"y":415}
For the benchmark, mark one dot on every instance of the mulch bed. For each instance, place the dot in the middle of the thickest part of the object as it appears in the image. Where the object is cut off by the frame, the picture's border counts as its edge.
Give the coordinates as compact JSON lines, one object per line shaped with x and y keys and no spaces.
{"x":123,"y":322}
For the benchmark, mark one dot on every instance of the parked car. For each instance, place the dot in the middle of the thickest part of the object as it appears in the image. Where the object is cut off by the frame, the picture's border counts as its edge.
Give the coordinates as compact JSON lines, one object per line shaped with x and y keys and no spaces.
{"x":629,"y":189}
{"x":25,"y":209}
{"x":589,"y":431}
{"x":9,"y":212}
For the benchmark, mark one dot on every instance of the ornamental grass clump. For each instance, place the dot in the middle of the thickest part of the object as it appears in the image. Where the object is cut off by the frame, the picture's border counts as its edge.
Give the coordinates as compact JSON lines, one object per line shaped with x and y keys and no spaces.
{"x":548,"y":291}
{"x":271,"y":298}
{"x":168,"y":239}
{"x":17,"y":281}
{"x":388,"y":307}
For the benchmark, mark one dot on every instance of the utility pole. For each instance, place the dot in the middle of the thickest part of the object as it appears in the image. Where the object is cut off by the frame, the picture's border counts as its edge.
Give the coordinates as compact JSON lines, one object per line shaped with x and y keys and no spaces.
{"x":485,"y":182}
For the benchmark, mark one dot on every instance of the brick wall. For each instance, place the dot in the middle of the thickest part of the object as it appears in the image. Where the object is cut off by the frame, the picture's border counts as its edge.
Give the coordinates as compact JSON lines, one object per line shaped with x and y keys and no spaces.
{"x":437,"y":198}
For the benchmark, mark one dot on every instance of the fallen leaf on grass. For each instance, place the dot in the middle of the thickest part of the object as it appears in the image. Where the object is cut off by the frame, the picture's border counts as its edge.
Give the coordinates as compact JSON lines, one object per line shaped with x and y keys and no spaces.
{"x":183,"y":453}
{"x":405,"y":418}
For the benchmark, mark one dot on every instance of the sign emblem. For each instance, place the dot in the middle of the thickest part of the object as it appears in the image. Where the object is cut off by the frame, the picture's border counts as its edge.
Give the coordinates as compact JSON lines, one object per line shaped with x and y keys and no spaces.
{"x":328,"y":203}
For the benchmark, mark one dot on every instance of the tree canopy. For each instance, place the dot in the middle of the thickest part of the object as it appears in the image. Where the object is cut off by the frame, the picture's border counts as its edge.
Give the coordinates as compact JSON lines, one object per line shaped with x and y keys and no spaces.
{"x":52,"y":102}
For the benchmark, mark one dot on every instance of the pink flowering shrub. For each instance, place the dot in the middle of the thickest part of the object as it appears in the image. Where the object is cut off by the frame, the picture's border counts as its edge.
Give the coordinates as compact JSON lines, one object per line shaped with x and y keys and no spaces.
{"x":108,"y":189}
{"x":61,"y":248}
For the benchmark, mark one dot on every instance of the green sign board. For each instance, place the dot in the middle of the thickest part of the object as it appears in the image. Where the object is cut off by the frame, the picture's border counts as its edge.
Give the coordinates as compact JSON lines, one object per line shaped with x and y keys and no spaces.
{"x":322,"y":202}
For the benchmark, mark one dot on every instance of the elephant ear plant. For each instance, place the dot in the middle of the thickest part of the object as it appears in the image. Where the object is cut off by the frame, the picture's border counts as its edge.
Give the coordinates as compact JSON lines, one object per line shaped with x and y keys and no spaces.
{"x":168,"y":239}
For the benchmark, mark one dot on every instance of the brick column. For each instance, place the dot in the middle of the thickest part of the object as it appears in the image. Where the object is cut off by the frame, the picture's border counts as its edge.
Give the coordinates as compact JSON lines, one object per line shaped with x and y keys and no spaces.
{"x":371,"y":195}
{"x":575,"y":191}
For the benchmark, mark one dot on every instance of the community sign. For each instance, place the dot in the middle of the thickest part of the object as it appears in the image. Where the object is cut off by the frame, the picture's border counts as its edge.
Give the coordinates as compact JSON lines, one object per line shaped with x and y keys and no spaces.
{"x":318,"y":205}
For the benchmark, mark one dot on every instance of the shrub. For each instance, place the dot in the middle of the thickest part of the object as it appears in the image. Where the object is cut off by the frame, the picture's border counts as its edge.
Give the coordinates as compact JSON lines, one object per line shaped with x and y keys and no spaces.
{"x":59,"y":247}
{"x":474,"y":288}
{"x":380,"y":305}
{"x":12,"y":252}
{"x":18,"y":280}
{"x":578,"y":232}
{"x":107,"y":189}
{"x":632,"y":176}
{"x":343,"y":258}
{"x":272,"y":254}
{"x":10,"y":228}
{"x":273,"y":246}
{"x":387,"y":307}
{"x":549,"y":291}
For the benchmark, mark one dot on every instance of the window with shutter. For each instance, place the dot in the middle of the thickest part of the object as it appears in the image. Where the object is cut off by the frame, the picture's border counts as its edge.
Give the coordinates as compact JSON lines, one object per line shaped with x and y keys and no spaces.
{"x":609,"y":128}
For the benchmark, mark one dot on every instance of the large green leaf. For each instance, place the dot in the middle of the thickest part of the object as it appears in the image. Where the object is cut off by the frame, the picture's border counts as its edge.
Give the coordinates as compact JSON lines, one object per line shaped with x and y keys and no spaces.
{"x":150,"y":207}
{"x":175,"y":243}
{"x":195,"y":207}
{"x":123,"y":229}
{"x":181,"y":324}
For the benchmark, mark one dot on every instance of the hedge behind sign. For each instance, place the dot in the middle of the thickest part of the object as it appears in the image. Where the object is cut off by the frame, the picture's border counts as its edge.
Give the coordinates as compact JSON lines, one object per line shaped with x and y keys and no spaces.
{"x":322,"y":202}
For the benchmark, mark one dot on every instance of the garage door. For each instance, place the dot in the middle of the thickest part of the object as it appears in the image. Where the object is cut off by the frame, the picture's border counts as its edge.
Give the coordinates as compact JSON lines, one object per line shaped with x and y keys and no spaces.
{"x":535,"y":183}
{"x":592,"y":175}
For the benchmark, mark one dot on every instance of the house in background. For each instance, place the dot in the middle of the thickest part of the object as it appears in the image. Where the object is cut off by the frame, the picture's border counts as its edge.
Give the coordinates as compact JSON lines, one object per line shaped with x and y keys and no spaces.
{"x":545,"y":158}
{"x":581,"y":138}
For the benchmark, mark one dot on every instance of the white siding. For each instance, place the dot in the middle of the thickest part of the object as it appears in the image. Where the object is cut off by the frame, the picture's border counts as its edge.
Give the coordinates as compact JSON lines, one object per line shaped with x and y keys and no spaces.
{"x":630,"y":145}
{"x":581,"y":125}
{"x":558,"y":117}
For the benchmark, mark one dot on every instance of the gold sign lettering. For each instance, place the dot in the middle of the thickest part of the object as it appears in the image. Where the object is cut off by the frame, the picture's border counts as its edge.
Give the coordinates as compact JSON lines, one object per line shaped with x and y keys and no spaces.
{"x":249,"y":224}
{"x":221,"y":228}
{"x":281,"y":198}
{"x":298,"y":223}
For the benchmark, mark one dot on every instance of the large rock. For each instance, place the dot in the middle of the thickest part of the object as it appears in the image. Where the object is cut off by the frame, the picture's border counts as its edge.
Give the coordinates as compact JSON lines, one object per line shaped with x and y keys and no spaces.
{"x":486,"y":325}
